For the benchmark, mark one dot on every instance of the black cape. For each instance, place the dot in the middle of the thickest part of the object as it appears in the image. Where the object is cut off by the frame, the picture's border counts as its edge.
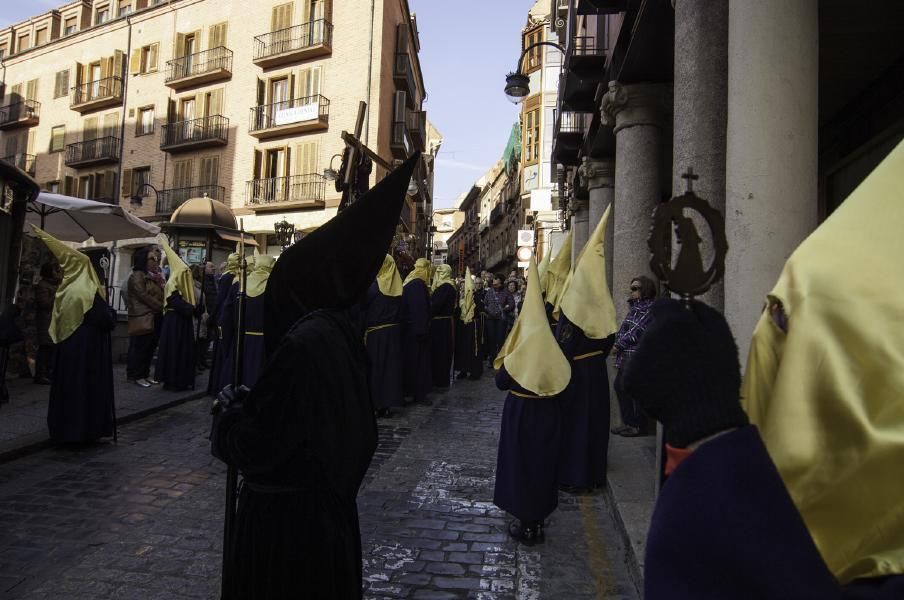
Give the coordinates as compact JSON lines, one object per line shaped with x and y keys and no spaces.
{"x":254,"y":352}
{"x":227,"y":319}
{"x":526,"y":465}
{"x":442,"y":307}
{"x":383,"y":338}
{"x":585,"y":408}
{"x":81,"y":395}
{"x":222,"y":343}
{"x":303,"y":442}
{"x":177,"y":352}
{"x":416,"y":340}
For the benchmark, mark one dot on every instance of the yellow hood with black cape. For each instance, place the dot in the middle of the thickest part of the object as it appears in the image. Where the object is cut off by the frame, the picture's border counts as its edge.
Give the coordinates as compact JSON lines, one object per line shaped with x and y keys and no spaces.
{"x":388,"y":279}
{"x":531,"y":354}
{"x":257,"y":279}
{"x":467,"y":298}
{"x":558,"y":271}
{"x":828,"y":394}
{"x":180,"y":279}
{"x":75,"y":294}
{"x":421,"y":271}
{"x":442,"y":276}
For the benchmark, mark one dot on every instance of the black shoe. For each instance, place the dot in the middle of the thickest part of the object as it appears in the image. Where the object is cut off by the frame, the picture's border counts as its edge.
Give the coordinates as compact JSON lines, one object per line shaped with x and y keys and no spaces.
{"x":526,"y":533}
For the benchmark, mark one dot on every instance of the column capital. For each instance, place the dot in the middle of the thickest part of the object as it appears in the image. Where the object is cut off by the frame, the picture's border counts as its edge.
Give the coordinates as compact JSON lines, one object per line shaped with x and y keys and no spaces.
{"x":635,"y":104}
{"x":597,"y":172}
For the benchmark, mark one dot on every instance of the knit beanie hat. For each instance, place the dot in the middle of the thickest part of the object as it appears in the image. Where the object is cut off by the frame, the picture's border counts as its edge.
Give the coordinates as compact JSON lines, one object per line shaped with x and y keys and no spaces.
{"x":685,"y":372}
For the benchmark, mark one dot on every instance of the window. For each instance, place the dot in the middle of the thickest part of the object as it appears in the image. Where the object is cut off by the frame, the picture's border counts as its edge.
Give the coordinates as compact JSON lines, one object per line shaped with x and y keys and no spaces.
{"x":61,"y":84}
{"x":145,"y":123}
{"x":70,"y":25}
{"x":58,"y":138}
{"x":53,"y":187}
{"x":534,"y":57}
{"x":3,"y":51}
{"x":41,"y":37}
{"x":144,"y":59}
{"x":125,"y":8}
{"x":531,"y":150}
{"x":102,"y":15}
{"x":22,"y":43}
{"x":140,"y":178}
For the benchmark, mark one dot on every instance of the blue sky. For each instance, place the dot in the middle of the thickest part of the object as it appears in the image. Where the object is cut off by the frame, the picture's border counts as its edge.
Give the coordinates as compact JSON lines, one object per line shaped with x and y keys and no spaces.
{"x":467,"y":47}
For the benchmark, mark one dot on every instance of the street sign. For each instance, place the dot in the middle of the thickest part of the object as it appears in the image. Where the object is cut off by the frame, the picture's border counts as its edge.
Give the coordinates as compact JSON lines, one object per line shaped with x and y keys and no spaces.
{"x":524,"y":254}
{"x":526,"y":237}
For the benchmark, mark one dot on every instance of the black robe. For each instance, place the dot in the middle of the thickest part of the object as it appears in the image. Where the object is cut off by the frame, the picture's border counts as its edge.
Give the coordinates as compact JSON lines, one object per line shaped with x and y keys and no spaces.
{"x":442,"y":307}
{"x":177,"y":351}
{"x":416,"y":340}
{"x":303,"y":442}
{"x":383,"y":338}
{"x":227,"y":320}
{"x":81,"y":395}
{"x":254,"y":352}
{"x":526,"y":465}
{"x":221,"y":345}
{"x":467,"y":347}
{"x":585,"y":408}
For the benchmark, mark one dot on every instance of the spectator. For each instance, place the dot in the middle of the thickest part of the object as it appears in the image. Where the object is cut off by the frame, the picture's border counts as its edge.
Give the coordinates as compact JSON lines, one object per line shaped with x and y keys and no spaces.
{"x":643,"y":293}
{"x":145,"y":306}
{"x":45,"y":293}
{"x":499,"y":303}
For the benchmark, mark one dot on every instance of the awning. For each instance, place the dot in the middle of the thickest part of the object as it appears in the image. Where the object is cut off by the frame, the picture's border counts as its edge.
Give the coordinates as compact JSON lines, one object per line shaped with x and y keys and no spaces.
{"x":235,"y":237}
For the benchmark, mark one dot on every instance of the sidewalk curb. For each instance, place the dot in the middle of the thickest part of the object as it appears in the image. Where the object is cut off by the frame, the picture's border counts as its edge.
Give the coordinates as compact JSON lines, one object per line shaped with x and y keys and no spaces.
{"x":38,"y":442}
{"x":631,"y":559}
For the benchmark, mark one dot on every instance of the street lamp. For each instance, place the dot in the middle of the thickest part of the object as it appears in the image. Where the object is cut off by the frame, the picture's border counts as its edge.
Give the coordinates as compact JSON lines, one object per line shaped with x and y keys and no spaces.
{"x":285,"y":233}
{"x":517,"y":84}
{"x":136,"y":199}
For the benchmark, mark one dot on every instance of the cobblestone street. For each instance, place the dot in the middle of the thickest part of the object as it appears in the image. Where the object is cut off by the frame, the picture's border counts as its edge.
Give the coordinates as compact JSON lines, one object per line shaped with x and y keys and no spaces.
{"x":144,"y":519}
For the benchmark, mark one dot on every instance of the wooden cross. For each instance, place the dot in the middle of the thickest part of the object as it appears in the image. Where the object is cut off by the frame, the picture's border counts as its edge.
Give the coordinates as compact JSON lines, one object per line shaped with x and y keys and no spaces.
{"x":355,"y":148}
{"x":690,"y":177}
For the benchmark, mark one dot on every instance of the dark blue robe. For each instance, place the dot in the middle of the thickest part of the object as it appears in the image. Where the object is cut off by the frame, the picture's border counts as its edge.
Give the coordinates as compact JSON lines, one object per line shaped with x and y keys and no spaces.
{"x":585,"y":408}
{"x":526,"y":465}
{"x":442,"y":307}
{"x":220,"y":346}
{"x":416,"y":340}
{"x":383,"y":338}
{"x":177,"y":351}
{"x":227,"y":319}
{"x":81,"y":395}
{"x":254,"y":352}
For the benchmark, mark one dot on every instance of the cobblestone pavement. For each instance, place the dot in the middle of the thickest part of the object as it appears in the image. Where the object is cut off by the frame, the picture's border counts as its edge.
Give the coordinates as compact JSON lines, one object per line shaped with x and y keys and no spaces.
{"x":143,"y":520}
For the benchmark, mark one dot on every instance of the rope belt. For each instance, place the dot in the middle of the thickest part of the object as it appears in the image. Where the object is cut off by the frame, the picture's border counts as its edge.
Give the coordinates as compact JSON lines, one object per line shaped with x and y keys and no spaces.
{"x":441,"y":317}
{"x":377,"y":328}
{"x":254,"y":333}
{"x":523,"y":395}
{"x":588,"y":355}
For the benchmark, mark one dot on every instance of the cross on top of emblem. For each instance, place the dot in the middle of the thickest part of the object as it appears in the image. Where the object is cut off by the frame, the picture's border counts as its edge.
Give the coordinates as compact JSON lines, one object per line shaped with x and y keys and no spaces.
{"x":690,"y":177}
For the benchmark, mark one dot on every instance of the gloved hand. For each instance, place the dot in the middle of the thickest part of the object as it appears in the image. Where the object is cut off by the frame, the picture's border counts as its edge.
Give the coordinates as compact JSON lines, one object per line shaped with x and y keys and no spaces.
{"x":685,"y":372}
{"x":229,"y":398}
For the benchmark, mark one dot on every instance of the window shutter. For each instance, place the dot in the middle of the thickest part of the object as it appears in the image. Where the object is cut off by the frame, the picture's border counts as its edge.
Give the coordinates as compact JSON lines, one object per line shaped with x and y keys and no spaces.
{"x":261,"y":92}
{"x":200,"y":107}
{"x":315,"y":80}
{"x":216,"y":102}
{"x":12,"y":145}
{"x":126,"y":182}
{"x":110,"y":185}
{"x":258,"y":164}
{"x":305,"y":11}
{"x":210,"y":167}
{"x":15,"y":93}
{"x":282,"y":17}
{"x":68,"y":185}
{"x":30,"y":143}
{"x":183,"y":173}
{"x":79,"y":74}
{"x":303,"y":82}
{"x":153,"y":51}
{"x":171,"y":114}
{"x":111,"y":125}
{"x":31,"y":92}
{"x":135,"y":62}
{"x":90,"y":131}
{"x":141,"y":4}
{"x":292,"y":91}
{"x":402,"y":37}
{"x":217,"y":36}
{"x":399,"y":106}
{"x":117,"y":63}
{"x":179,"y":49}
{"x":58,"y":138}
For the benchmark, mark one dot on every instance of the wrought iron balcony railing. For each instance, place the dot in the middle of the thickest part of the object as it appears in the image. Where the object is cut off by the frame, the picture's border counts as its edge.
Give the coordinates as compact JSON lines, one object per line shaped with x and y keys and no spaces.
{"x":26,"y":162}
{"x":108,"y":88}
{"x":213,"y":61}
{"x":290,"y":112}
{"x":96,"y":151}
{"x":308,"y":188}
{"x":205,"y":131}
{"x":23,"y":112}
{"x":168,"y":200}
{"x":291,"y":39}
{"x":403,"y":71}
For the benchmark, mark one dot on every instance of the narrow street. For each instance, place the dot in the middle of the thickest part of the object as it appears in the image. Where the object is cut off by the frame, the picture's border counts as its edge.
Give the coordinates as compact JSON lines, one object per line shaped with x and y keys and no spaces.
{"x":144,"y":519}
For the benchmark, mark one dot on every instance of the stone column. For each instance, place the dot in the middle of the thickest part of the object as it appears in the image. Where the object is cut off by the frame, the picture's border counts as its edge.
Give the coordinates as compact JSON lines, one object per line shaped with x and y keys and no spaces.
{"x":772,"y":152}
{"x":599,"y":174}
{"x":637,"y":113}
{"x":580,"y":218}
{"x":701,"y":104}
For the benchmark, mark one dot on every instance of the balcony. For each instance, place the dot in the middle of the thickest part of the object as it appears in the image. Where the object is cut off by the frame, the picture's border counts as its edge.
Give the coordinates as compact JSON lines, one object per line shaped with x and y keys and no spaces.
{"x":25,"y":162}
{"x":282,"y":193}
{"x":497,"y":213}
{"x":584,"y":69}
{"x":293,"y":44}
{"x":568,"y":137}
{"x":24,"y":113}
{"x":601,"y":7}
{"x":195,"y":134}
{"x":398,"y":143}
{"x":198,"y":68}
{"x":299,"y":115}
{"x":169,"y":200}
{"x":417,"y":129}
{"x":403,"y":75}
{"x":93,"y":152}
{"x":96,"y":94}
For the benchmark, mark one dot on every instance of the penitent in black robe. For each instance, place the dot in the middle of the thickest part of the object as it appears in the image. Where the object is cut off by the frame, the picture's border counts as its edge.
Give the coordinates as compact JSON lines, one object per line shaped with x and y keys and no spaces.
{"x":416,"y":340}
{"x":442,"y":307}
{"x":303,"y":442}
{"x":227,"y":321}
{"x":81,"y":395}
{"x":585,"y":408}
{"x":254,"y":353}
{"x":467,"y":347}
{"x":221,"y":345}
{"x":526,"y":465}
{"x":177,"y":351}
{"x":383,"y":338}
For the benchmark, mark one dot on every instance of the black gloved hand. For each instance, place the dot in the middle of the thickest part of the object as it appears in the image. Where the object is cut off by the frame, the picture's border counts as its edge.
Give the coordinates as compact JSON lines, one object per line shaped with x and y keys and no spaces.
{"x":229,"y":398}
{"x":685,"y":372}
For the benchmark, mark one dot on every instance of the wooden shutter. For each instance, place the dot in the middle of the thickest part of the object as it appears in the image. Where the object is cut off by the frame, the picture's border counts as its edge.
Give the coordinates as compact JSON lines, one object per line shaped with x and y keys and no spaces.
{"x":210,"y":170}
{"x":281,"y":17}
{"x":305,"y":11}
{"x":15,"y":93}
{"x":398,"y":115}
{"x":135,"y":62}
{"x":182,"y":173}
{"x":215,"y":102}
{"x":30,"y":142}
{"x":118,"y":63}
{"x":58,"y":138}
{"x":126,"y":183}
{"x":109,"y":190}
{"x":12,"y":145}
{"x":79,"y":74}
{"x":303,"y":83}
{"x":179,"y":48}
{"x":306,"y":158}
{"x":402,"y":37}
{"x":153,"y":52}
{"x":61,"y":84}
{"x":261,"y":92}
{"x":141,"y":4}
{"x":68,"y":185}
{"x":111,"y":125}
{"x":200,"y":105}
{"x":216,"y":37}
{"x":258,"y":164}
{"x":90,"y":131}
{"x":31,"y":88}
{"x":172,"y":114}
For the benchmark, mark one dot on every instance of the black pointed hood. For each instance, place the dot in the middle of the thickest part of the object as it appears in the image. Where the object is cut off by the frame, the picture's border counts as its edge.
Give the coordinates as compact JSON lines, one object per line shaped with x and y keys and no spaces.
{"x":333,"y":266}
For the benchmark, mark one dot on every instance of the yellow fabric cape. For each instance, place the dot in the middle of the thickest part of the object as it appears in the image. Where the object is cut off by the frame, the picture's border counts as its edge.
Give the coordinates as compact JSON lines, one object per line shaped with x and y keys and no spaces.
{"x":421,"y":271}
{"x":828,"y":395}
{"x":388,"y":279}
{"x":585,"y":298}
{"x":442,"y":276}
{"x":558,"y":271}
{"x":467,"y":298}
{"x":180,"y":279}
{"x":257,"y":279}
{"x":543,"y":267}
{"x":75,"y":294}
{"x":232,"y":264}
{"x":531,"y":353}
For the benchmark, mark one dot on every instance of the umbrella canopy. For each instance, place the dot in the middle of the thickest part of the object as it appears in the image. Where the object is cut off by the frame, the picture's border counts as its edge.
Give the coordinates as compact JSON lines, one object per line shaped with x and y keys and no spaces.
{"x":77,"y":219}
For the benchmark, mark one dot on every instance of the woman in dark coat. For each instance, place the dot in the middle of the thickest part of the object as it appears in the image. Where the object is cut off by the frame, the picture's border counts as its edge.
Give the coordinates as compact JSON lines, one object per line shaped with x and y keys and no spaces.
{"x":383,"y":338}
{"x":177,"y":352}
{"x":442,"y":309}
{"x":534,"y":371}
{"x":81,"y":394}
{"x":416,"y":332}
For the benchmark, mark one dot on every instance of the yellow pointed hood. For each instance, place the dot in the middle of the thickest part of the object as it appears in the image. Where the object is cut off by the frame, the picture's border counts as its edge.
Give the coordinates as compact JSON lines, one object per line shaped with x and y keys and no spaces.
{"x":388,"y":279}
{"x":421,"y":271}
{"x":827,"y":395}
{"x":531,"y":354}
{"x":467,"y":298}
{"x":558,"y":271}
{"x":585,"y":297}
{"x":180,"y":279}
{"x":232,"y":264}
{"x":543,"y":267}
{"x":442,"y":276}
{"x":75,"y":294}
{"x":257,"y":279}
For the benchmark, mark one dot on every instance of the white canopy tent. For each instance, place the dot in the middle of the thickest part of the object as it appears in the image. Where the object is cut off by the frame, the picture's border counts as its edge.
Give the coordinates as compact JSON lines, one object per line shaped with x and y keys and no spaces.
{"x":76,"y":219}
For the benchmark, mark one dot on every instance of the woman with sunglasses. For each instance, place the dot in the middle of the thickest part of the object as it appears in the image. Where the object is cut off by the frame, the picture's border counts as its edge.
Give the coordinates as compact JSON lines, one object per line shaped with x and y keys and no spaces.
{"x":643,"y":293}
